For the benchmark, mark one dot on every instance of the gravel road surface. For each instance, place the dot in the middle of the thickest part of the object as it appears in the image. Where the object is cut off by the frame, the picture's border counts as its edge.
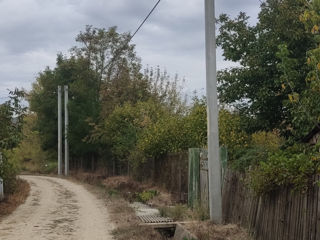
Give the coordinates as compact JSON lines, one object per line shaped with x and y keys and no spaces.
{"x":57,"y":209}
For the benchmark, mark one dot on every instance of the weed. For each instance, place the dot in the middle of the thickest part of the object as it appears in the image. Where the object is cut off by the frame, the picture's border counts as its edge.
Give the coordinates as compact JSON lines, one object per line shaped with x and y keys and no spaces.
{"x":147,"y":195}
{"x":113,"y":192}
{"x":200,"y":212}
{"x":178,"y":212}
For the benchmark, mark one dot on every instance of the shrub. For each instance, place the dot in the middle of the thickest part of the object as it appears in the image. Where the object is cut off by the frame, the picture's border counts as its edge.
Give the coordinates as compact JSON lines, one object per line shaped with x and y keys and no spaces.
{"x":147,"y":195}
{"x":285,"y":168}
{"x":260,"y":146}
{"x":8,"y":172}
{"x":29,"y":153}
{"x":271,"y":141}
{"x":231,"y":134}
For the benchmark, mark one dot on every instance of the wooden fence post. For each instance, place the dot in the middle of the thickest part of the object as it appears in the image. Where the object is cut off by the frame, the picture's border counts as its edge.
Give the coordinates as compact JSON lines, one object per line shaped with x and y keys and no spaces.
{"x":194,"y":176}
{"x":224,"y":162}
{"x":1,"y":190}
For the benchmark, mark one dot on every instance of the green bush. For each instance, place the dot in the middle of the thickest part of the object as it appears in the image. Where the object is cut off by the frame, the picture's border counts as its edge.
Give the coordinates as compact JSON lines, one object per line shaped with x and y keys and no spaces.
{"x":174,"y":133}
{"x":292,"y":167}
{"x":147,"y":195}
{"x":260,"y":146}
{"x":8,"y":172}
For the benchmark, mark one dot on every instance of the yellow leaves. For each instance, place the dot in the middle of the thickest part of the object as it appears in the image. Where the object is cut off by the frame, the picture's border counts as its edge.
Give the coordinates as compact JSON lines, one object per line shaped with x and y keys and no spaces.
{"x":318,"y":66}
{"x":283,"y":86}
{"x":290,"y":98}
{"x":315,"y":29}
{"x":268,"y":140}
{"x":230,"y":131}
{"x":308,"y":60}
{"x":294,"y":97}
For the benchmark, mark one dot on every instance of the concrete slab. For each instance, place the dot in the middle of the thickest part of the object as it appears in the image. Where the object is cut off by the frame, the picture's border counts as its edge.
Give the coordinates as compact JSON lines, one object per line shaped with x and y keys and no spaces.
{"x":183,"y":234}
{"x":144,"y":210}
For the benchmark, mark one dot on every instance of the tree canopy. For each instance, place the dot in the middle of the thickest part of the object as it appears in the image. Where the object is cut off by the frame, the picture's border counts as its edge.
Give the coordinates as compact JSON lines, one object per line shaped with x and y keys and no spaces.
{"x":255,"y":87}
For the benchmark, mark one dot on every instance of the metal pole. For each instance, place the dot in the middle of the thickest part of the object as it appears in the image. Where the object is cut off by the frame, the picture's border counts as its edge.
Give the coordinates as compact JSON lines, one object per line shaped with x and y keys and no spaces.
{"x":215,"y":199}
{"x":66,"y":123}
{"x":59,"y":132}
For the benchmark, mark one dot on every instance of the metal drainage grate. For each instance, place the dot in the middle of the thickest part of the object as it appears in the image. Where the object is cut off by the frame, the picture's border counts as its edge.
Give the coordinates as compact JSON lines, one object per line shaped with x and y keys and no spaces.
{"x":155,"y":219}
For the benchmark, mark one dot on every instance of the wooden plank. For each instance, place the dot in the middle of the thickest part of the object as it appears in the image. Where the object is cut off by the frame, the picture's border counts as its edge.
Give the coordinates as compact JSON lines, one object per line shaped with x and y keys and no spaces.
{"x":318,"y":214}
{"x":194,"y":176}
{"x":281,"y":215}
{"x":314,"y":210}
{"x":305,"y":217}
{"x":159,"y":225}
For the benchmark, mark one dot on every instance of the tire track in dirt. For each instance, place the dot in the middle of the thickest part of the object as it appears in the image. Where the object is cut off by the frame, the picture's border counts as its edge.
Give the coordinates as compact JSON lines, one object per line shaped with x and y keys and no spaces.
{"x":57,"y":209}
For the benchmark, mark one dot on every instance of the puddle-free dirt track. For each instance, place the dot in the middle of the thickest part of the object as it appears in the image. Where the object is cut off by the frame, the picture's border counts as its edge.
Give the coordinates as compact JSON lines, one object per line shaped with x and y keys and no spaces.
{"x":57,"y":209}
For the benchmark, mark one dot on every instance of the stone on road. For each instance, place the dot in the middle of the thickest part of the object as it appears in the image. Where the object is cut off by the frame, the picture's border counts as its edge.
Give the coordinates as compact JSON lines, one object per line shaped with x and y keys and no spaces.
{"x":57,"y":209}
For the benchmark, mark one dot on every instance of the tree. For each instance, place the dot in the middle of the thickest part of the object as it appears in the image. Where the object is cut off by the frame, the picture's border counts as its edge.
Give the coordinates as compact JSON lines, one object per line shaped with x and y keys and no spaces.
{"x":29,"y":154}
{"x":116,"y":65}
{"x":255,"y":87}
{"x":304,"y":106}
{"x":11,"y":120}
{"x":83,"y":104}
{"x":11,"y":115}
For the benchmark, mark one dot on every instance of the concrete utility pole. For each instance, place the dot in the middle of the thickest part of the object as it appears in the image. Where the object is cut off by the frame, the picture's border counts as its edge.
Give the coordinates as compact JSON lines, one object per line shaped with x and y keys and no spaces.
{"x":66,"y":124}
{"x":214,"y":168}
{"x":59,"y":132}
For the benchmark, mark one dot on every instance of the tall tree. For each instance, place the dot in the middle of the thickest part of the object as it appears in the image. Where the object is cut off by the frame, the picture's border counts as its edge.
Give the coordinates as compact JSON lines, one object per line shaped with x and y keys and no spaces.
{"x":83,"y":103}
{"x":255,"y":87}
{"x":115,"y":63}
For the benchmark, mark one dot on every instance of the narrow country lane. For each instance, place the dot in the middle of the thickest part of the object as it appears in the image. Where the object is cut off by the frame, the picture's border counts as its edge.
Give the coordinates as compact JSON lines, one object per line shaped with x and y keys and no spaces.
{"x":57,"y":209}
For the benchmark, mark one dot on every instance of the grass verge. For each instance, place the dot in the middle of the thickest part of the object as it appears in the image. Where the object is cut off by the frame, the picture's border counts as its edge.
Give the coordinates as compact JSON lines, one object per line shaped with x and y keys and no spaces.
{"x":12,"y":201}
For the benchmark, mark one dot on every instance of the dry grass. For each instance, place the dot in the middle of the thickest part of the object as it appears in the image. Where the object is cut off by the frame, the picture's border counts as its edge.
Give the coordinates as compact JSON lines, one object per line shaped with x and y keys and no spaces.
{"x":209,"y":231}
{"x":127,"y":225}
{"x":89,"y":178}
{"x":115,"y":192}
{"x":12,"y":201}
{"x":129,"y":188}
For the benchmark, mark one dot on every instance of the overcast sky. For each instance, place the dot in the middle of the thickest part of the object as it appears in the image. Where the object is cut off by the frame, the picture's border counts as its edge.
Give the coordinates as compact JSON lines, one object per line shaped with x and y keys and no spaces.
{"x":32,"y":32}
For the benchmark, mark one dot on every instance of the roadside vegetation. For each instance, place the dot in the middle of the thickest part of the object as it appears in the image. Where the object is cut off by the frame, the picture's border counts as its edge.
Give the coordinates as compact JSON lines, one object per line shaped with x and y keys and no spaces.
{"x":15,"y":198}
{"x":11,"y":122}
{"x":275,"y":92}
{"x":122,"y":116}
{"x":119,"y":191}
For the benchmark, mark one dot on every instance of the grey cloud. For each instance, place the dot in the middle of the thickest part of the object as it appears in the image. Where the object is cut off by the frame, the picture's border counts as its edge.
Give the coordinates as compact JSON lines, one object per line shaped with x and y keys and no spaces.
{"x":34,"y":31}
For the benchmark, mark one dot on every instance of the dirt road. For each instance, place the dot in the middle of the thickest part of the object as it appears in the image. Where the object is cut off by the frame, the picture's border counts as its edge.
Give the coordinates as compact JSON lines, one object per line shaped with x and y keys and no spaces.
{"x":57,"y":209}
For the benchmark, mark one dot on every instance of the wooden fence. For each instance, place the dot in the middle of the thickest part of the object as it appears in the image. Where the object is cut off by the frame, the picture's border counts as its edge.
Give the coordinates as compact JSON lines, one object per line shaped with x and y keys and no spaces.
{"x":281,"y":215}
{"x":171,"y":172}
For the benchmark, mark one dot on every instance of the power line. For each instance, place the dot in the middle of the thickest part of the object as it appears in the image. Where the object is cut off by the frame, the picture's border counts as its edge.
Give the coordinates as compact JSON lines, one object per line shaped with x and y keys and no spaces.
{"x":146,"y":18}
{"x":119,"y":50}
